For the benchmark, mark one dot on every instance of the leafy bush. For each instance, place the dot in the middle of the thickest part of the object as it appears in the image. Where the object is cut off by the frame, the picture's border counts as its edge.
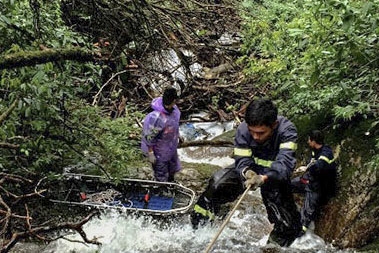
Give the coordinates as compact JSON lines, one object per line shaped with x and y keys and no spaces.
{"x":120,"y":140}
{"x":320,"y":57}
{"x":53,"y":124}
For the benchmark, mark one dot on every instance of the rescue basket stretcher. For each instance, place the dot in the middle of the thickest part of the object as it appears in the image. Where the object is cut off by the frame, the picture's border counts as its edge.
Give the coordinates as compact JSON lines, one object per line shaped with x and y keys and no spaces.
{"x":134,"y":195}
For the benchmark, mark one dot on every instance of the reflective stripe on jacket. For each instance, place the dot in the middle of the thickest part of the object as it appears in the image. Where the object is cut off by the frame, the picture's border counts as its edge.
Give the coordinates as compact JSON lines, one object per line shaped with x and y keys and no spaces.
{"x":275,"y":157}
{"x":324,"y":160}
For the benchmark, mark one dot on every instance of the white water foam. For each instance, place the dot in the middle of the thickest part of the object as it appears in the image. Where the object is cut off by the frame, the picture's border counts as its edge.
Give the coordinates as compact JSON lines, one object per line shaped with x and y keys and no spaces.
{"x":119,"y":233}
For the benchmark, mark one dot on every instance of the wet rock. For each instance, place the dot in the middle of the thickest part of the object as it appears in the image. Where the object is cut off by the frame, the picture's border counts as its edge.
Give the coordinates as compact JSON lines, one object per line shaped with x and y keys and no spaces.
{"x":351,"y":219}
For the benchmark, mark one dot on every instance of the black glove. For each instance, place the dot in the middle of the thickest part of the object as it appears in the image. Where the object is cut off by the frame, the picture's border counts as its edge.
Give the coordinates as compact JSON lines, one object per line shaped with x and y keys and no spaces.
{"x":181,"y":139}
{"x":253,"y":180}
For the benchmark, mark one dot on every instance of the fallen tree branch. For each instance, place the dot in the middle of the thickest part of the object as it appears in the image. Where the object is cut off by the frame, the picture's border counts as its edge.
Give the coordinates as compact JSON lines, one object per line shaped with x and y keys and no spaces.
{"x":9,"y":145}
{"x":78,"y":227}
{"x":96,"y":97}
{"x":15,"y":215}
{"x":216,"y":143}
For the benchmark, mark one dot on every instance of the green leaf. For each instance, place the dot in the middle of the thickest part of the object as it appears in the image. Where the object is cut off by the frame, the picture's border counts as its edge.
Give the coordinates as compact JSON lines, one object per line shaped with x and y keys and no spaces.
{"x":366,"y":7}
{"x":295,"y":31}
{"x":314,"y":77}
{"x":5,"y":19}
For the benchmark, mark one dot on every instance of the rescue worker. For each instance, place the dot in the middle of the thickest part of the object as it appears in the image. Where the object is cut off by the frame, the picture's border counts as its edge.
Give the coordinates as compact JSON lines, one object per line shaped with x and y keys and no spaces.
{"x":160,"y":136}
{"x":264,"y":154}
{"x":319,"y":181}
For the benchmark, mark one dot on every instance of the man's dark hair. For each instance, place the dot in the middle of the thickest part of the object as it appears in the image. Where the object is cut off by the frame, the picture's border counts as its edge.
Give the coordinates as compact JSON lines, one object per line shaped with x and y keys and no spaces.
{"x":261,"y":112}
{"x":317,"y":136}
{"x":169,"y":96}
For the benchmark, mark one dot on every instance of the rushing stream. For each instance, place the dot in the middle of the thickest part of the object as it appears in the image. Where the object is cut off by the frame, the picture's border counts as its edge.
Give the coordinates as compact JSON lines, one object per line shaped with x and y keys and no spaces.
{"x":247,"y":230}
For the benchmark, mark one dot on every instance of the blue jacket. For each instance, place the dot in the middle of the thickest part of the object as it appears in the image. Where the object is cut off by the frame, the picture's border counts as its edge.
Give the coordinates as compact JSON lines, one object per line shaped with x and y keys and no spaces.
{"x":274,"y":158}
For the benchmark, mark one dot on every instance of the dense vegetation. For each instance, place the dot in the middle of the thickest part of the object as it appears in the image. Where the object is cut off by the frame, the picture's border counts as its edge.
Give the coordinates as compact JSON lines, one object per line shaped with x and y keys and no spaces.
{"x":53,"y":124}
{"x":319,"y":57}
{"x":72,"y":68}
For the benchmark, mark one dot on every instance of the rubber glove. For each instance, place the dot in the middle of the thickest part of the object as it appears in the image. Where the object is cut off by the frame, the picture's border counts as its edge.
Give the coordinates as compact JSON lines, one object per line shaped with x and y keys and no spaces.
{"x":301,"y":169}
{"x":253,"y":180}
{"x":151,"y":157}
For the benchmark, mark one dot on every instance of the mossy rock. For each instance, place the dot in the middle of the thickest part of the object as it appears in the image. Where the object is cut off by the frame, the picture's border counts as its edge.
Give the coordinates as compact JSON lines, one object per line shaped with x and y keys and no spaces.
{"x":351,"y":219}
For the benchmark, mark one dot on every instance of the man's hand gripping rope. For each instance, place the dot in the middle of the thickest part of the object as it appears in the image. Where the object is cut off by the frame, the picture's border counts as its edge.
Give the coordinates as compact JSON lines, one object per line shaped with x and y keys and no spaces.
{"x":303,"y":169}
{"x":253,"y":180}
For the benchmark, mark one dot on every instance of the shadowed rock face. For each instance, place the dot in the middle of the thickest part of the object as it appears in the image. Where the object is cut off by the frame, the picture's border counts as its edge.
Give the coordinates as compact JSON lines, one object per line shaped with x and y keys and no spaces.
{"x":351,"y":219}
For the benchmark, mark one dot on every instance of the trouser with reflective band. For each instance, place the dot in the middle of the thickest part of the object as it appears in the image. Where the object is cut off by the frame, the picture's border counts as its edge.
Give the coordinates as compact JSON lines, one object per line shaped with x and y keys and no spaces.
{"x":224,"y":186}
{"x":281,"y":210}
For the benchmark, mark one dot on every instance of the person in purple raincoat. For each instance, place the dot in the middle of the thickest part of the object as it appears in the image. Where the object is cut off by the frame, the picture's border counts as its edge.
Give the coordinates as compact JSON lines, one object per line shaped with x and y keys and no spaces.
{"x":160,"y":136}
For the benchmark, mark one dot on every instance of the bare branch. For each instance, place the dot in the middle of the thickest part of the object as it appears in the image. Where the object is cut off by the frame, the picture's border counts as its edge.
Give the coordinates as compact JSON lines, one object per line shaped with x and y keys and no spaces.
{"x":9,"y":145}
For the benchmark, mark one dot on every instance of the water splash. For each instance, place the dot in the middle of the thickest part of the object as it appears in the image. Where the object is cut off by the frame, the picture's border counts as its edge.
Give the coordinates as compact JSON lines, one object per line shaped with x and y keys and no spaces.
{"x":119,"y":233}
{"x":247,"y":231}
{"x":309,"y":241}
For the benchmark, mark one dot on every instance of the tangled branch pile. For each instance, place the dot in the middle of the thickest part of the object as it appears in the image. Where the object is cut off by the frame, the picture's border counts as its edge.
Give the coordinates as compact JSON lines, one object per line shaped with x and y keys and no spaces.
{"x":139,"y":33}
{"x":20,"y":208}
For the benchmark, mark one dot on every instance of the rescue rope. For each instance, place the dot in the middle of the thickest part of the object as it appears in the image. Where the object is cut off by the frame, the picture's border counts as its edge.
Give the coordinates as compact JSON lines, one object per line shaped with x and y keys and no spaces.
{"x":227,"y":220}
{"x":107,"y":196}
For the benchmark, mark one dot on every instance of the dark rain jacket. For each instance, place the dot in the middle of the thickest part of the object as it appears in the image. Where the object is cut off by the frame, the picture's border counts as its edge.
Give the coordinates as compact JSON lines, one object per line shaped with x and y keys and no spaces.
{"x":274,"y":158}
{"x":322,"y":173}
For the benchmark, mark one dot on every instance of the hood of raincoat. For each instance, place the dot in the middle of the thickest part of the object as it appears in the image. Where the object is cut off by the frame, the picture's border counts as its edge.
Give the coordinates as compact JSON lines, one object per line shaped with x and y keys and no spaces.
{"x":157,"y":105}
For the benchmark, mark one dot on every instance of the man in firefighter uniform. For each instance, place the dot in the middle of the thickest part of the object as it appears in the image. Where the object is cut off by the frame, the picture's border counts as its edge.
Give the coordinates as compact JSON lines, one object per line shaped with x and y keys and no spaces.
{"x":264,"y":154}
{"x":319,"y":180}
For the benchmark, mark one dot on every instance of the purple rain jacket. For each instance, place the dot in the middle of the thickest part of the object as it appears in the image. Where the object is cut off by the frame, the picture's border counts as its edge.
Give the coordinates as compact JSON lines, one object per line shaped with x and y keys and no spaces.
{"x":161,"y":131}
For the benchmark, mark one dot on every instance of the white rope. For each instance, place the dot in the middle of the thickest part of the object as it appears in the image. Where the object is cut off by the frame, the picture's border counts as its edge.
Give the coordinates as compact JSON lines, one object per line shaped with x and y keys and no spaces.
{"x":210,"y":245}
{"x":105,"y":197}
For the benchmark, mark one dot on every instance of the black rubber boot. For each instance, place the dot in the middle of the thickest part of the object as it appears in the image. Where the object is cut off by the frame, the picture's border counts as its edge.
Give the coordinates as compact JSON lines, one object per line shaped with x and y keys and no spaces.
{"x":282,"y":237}
{"x":202,"y":213}
{"x":171,"y":179}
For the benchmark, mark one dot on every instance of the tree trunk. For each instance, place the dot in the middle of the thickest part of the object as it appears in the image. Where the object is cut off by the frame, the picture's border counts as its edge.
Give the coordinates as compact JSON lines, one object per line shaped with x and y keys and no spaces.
{"x":23,"y":59}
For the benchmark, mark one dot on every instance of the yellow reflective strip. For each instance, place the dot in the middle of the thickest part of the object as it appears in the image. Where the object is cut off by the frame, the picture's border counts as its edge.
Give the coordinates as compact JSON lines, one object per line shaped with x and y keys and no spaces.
{"x":288,"y":145}
{"x":326,"y":159}
{"x":204,"y":212}
{"x":264,"y":163}
{"x":243,"y":152}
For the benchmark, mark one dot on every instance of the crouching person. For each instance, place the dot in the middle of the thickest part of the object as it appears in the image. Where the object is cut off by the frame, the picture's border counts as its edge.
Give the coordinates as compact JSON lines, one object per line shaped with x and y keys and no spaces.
{"x":264,"y":156}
